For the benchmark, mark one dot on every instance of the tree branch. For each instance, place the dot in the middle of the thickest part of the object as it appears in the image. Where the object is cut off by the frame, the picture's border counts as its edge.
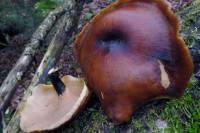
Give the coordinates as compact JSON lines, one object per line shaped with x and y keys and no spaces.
{"x":7,"y":88}
{"x":51,"y":56}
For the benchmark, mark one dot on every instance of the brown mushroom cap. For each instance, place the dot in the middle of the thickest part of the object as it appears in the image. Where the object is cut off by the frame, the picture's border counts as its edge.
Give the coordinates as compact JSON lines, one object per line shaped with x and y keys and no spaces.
{"x":45,"y":110}
{"x":131,"y":53}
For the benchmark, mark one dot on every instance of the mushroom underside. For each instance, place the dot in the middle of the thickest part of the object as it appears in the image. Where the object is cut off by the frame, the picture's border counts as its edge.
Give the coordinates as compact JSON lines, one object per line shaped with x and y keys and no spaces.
{"x":46,"y":110}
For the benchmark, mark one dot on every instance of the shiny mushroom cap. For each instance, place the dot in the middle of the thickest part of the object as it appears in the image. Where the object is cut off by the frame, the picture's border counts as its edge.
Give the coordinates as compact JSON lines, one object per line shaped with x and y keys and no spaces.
{"x":131,"y":53}
{"x":46,"y":110}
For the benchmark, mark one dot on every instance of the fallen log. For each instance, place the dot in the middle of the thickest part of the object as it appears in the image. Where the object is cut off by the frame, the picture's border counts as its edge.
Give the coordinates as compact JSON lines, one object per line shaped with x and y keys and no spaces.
{"x":54,"y":51}
{"x":7,"y":88}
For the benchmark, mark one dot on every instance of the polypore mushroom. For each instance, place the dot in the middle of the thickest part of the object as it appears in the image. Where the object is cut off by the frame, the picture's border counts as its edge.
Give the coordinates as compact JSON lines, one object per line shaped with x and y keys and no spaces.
{"x":131,"y":53}
{"x":51,"y":106}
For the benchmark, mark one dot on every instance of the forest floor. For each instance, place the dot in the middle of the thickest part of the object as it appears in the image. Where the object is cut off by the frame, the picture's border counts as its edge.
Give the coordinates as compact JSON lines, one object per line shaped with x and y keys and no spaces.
{"x":176,"y":115}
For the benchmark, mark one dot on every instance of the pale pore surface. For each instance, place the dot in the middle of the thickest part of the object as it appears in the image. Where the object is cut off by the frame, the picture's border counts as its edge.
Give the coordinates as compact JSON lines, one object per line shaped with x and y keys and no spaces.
{"x":165,"y":82}
{"x":46,"y":110}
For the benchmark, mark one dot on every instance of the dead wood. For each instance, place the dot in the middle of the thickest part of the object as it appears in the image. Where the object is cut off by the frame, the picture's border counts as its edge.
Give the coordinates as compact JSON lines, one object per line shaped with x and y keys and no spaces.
{"x":63,"y":34}
{"x":15,"y":75}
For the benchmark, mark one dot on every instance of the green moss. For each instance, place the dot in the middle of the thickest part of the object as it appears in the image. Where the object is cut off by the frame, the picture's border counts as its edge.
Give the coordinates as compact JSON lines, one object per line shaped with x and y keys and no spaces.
{"x":21,"y":18}
{"x":190,"y":23}
{"x":137,"y":124}
{"x":88,"y":15}
{"x":43,"y":7}
{"x":73,"y":67}
{"x":183,"y":114}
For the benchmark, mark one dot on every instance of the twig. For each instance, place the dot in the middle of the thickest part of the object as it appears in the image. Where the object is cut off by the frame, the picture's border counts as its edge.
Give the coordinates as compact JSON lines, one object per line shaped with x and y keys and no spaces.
{"x":3,"y":44}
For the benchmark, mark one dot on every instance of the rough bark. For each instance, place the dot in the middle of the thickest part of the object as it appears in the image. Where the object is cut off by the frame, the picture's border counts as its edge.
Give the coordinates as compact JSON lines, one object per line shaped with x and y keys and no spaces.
{"x":2,"y":121}
{"x":15,"y":75}
{"x":51,"y":56}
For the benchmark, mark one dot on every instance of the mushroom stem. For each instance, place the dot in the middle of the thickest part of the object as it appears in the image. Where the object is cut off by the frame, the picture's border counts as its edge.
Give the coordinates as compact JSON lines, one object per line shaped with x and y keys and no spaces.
{"x":56,"y":81}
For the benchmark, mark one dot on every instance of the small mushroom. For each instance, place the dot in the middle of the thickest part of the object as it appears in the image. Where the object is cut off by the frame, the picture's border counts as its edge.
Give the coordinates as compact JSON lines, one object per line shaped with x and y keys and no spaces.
{"x":50,"y":106}
{"x":131,"y":53}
